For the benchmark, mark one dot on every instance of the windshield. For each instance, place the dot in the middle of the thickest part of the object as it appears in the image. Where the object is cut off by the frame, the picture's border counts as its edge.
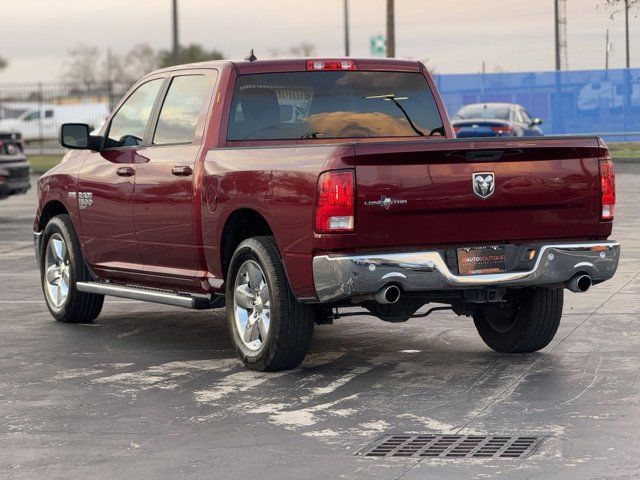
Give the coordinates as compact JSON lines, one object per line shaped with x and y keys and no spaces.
{"x":483,"y":111}
{"x":333,"y":105}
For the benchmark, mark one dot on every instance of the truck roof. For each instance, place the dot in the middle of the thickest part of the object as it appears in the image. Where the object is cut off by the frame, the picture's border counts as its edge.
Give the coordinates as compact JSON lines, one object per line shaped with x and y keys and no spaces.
{"x":300,"y":65}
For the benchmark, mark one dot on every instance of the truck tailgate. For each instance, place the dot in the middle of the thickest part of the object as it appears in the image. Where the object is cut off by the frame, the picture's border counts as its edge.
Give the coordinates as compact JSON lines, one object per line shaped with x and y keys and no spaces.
{"x":421,"y":193}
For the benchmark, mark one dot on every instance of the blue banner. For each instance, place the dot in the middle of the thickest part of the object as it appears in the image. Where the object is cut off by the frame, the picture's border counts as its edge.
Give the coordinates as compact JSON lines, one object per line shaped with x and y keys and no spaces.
{"x":603,"y":102}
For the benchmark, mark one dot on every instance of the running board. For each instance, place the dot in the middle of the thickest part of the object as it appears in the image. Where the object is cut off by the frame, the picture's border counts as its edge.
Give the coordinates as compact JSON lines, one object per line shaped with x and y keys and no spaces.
{"x":148,"y":295}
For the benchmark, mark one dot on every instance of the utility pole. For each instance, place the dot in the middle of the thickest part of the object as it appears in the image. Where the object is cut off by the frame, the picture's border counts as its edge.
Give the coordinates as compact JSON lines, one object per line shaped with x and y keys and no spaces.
{"x":626,"y":27}
{"x":557,"y":32}
{"x":391,"y":30}
{"x":176,"y":43}
{"x":346,"y":28}
{"x":560,"y":20}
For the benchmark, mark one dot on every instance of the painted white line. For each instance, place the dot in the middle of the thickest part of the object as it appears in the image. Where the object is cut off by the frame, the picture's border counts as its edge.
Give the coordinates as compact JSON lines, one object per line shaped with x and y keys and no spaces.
{"x":34,"y":274}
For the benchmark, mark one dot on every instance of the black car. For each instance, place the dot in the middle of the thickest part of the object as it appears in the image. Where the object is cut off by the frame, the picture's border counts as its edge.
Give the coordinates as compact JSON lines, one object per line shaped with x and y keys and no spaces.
{"x":14,"y":167}
{"x":495,"y":120}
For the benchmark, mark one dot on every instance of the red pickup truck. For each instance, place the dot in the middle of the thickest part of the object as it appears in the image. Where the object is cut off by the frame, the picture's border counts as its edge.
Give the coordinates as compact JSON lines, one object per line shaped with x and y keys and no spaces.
{"x":290,"y":189}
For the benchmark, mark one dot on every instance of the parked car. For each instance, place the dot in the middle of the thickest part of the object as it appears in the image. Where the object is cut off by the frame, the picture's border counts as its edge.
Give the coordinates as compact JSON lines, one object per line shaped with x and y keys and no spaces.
{"x":44,"y":122}
{"x":14,"y":166}
{"x":364,"y":198}
{"x":495,"y":120}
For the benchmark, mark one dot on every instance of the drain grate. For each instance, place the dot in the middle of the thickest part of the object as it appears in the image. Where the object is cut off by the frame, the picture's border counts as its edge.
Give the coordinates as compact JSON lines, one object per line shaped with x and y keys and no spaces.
{"x":453,"y":446}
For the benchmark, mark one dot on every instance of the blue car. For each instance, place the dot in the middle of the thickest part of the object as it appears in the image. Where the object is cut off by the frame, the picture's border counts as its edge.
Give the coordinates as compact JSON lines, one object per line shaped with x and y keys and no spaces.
{"x":495,"y":120}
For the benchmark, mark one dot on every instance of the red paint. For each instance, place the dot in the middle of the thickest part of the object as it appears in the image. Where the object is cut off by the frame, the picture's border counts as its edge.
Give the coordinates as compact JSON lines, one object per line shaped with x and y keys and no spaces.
{"x":159,"y":229}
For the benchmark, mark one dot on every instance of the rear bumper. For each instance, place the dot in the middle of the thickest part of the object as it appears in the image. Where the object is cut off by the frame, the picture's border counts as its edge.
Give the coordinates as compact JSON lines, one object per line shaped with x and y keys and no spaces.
{"x":338,"y":277}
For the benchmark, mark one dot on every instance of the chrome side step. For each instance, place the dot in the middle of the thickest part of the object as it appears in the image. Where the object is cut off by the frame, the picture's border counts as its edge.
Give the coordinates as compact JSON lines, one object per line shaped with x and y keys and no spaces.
{"x":148,"y":295}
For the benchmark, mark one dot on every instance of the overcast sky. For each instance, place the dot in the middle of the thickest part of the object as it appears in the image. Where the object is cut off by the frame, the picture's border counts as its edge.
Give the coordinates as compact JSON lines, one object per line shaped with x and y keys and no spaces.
{"x":454,"y":35}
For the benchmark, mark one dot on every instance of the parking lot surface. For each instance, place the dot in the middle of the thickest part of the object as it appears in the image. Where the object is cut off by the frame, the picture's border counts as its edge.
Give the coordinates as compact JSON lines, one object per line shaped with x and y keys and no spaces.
{"x":150,"y":391}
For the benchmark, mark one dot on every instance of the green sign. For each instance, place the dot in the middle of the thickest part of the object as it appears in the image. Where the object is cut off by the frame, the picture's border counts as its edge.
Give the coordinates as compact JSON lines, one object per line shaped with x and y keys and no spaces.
{"x":378,"y":45}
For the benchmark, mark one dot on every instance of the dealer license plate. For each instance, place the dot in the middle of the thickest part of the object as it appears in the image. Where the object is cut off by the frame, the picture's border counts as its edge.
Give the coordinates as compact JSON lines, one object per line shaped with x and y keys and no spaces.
{"x":479,"y":260}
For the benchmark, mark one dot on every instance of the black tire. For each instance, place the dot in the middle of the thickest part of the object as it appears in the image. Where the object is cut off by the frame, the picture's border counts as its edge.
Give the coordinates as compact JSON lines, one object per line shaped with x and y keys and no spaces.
{"x":291,"y":323}
{"x":527,"y":323}
{"x":79,"y":307}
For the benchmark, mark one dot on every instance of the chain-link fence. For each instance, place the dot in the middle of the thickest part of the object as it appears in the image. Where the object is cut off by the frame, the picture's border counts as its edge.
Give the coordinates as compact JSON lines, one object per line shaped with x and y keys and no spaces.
{"x":38,"y":109}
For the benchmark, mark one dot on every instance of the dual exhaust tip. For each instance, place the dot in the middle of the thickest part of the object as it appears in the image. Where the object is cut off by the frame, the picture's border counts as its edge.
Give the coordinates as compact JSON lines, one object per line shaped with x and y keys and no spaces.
{"x":387,"y":294}
{"x":579,"y":283}
{"x":390,"y":294}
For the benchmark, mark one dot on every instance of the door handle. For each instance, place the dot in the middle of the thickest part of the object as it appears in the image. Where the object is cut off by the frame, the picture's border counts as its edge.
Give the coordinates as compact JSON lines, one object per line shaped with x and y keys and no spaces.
{"x":125,"y":172}
{"x":181,"y":170}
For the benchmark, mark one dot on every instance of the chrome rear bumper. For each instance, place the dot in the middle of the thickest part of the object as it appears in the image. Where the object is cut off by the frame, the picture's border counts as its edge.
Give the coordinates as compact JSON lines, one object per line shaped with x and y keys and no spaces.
{"x":342,"y":276}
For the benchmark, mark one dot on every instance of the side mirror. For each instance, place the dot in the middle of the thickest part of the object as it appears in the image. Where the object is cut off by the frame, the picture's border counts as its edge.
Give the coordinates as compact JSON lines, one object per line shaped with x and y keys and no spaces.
{"x":77,"y":136}
{"x":536,"y":121}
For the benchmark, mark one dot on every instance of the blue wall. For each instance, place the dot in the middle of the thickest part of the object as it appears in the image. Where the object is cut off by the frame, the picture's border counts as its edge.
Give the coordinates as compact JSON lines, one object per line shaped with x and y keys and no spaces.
{"x":568,"y":102}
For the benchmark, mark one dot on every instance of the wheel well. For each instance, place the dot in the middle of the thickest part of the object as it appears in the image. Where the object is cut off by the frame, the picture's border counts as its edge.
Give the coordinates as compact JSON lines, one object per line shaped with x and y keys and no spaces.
{"x":240,"y":225}
{"x":50,"y":210}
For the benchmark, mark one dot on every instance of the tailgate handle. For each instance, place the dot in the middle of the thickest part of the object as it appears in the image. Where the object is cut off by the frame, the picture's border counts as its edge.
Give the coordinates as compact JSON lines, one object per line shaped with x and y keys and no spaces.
{"x":485,"y":155}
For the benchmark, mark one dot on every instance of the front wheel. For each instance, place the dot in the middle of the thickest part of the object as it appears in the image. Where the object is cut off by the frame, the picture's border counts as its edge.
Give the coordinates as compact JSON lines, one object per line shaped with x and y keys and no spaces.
{"x":62,"y":265}
{"x":527,"y":322}
{"x":269,"y":328}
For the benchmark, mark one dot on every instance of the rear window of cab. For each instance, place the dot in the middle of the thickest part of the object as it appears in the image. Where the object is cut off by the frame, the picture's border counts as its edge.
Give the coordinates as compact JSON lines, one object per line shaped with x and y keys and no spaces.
{"x":332,"y":104}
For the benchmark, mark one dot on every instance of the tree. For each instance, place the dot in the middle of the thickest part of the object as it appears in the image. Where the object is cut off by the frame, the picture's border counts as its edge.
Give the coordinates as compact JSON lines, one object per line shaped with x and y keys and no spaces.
{"x":3,"y":63}
{"x":302,"y":49}
{"x":82,"y":65}
{"x":618,"y":5}
{"x":137,"y":62}
{"x":615,"y":3}
{"x":190,"y":54}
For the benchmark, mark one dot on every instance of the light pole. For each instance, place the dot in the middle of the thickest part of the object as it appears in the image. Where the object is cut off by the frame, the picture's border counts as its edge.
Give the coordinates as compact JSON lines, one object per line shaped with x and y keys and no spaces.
{"x":626,"y":27}
{"x":176,"y":44}
{"x":391,"y":30}
{"x":346,"y":28}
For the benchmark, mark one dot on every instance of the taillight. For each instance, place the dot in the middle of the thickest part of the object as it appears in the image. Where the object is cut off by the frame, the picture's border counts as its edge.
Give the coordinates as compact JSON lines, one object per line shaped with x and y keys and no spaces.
{"x":502,"y":129}
{"x":335,"y":207}
{"x":456,"y":129}
{"x":607,"y":189}
{"x":331,"y":65}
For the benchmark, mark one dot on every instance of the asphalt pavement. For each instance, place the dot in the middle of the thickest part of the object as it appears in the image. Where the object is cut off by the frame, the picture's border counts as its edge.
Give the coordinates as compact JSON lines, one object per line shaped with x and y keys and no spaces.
{"x":149,"y":391}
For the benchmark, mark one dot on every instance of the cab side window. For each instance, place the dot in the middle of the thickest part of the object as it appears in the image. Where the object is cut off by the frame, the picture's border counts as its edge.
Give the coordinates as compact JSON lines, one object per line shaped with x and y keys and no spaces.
{"x":180,"y":111}
{"x":129,"y":123}
{"x":35,"y":115}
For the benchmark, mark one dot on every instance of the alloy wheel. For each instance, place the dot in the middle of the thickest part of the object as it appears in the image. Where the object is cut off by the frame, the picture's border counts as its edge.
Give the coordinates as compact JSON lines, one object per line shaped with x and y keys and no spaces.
{"x":252,"y":306}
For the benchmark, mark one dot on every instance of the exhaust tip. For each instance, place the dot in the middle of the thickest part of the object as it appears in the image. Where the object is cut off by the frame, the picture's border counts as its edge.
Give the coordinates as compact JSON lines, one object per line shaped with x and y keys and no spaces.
{"x":388,"y":294}
{"x":579,"y":283}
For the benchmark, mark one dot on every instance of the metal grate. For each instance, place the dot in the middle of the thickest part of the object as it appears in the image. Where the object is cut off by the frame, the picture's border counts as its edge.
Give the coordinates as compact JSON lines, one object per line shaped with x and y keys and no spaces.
{"x":453,"y":446}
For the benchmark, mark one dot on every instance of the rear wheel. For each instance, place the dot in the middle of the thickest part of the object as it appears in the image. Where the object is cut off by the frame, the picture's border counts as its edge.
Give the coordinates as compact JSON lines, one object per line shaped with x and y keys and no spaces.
{"x":269,"y":328}
{"x":61,"y":267}
{"x":527,"y":322}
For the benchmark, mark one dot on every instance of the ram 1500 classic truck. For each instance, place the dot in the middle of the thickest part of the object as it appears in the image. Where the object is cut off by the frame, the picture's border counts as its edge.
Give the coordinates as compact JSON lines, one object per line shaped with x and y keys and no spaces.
{"x":287,"y":190}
